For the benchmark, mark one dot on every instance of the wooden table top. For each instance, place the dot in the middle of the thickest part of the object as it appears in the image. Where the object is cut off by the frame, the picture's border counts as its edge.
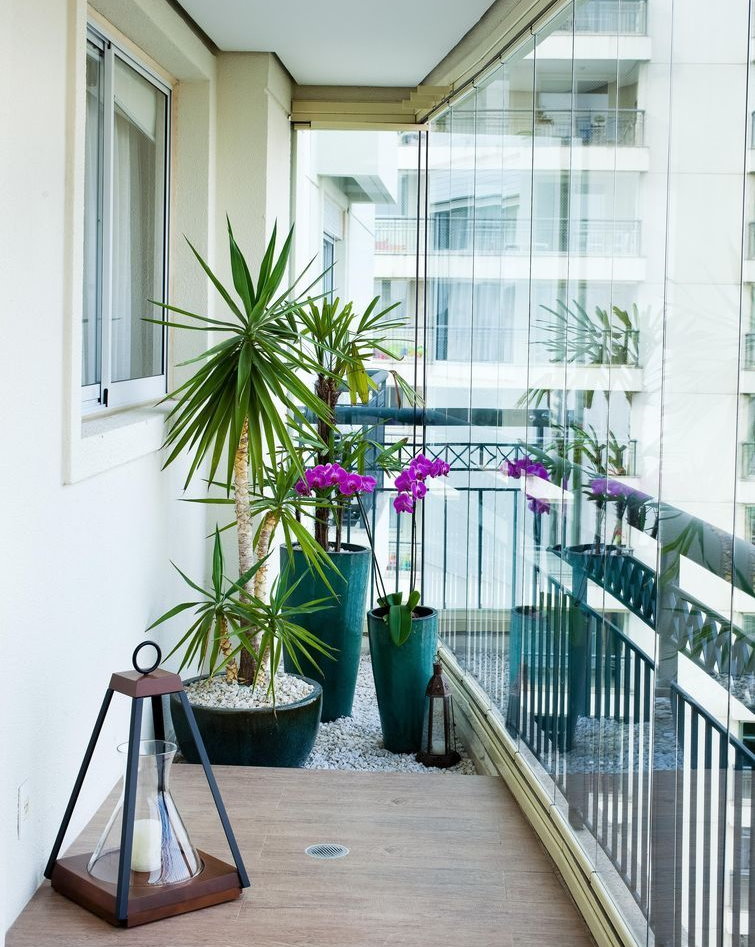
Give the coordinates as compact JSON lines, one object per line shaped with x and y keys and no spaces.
{"x":434,"y":859}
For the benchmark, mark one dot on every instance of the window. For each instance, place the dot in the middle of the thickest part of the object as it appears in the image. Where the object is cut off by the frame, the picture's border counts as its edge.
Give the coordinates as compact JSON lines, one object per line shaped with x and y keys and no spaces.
{"x":750,"y":523}
{"x":125,"y":228}
{"x":328,"y":265}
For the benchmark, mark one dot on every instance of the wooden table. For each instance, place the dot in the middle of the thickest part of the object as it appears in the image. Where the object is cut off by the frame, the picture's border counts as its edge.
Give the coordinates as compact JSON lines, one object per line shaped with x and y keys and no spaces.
{"x":434,"y":859}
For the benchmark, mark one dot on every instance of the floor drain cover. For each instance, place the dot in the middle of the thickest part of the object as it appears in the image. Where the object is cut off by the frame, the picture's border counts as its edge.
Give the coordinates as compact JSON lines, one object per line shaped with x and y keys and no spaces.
{"x":326,"y":850}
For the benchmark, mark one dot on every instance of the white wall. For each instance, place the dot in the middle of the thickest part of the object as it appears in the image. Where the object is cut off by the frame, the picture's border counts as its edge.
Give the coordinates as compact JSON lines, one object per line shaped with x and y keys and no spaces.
{"x":90,"y":521}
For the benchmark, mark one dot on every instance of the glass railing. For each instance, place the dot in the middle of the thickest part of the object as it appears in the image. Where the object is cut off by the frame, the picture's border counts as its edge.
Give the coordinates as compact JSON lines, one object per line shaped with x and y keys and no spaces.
{"x":543,"y":236}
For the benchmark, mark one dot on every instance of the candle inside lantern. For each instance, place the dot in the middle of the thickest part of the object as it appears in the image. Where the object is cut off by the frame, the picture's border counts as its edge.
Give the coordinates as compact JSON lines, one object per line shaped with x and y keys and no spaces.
{"x":438,"y":744}
{"x":146,"y":848}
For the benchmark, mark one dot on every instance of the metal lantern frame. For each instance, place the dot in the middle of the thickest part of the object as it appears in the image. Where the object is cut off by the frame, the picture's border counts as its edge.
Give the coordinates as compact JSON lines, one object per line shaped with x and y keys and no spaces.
{"x":217,"y":881}
{"x":438,"y":690}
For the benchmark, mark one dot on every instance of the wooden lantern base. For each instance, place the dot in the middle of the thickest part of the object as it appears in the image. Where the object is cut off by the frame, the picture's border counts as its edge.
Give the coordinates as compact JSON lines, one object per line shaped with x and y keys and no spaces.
{"x":217,"y":882}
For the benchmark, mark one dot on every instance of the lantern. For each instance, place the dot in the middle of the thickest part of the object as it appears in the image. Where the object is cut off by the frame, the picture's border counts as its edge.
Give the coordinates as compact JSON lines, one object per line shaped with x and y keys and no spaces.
{"x":438,"y":740}
{"x":145,"y":866}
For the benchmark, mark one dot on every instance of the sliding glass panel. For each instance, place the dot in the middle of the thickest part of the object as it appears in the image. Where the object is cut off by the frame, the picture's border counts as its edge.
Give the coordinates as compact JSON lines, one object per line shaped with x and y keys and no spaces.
{"x":94,"y":136}
{"x":138,"y":224}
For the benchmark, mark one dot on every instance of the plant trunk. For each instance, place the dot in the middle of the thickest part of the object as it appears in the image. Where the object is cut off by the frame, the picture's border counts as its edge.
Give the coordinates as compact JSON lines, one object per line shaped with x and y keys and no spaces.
{"x":232,"y":668}
{"x":261,"y":550}
{"x":327,"y":391}
{"x":245,"y":537}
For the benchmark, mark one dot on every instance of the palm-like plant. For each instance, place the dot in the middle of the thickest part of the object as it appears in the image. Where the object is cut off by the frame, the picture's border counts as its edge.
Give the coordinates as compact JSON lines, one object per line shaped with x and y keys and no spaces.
{"x":342,"y":343}
{"x":225,"y":612}
{"x":232,"y":410}
{"x":572,"y":335}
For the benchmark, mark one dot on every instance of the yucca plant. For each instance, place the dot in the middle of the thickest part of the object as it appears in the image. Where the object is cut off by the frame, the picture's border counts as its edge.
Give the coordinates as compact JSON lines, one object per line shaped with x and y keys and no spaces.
{"x":231,"y":413}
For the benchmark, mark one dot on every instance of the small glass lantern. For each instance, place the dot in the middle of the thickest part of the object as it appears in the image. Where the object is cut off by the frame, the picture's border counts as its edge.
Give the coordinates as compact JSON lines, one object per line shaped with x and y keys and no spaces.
{"x":438,"y":742}
{"x":161,"y":850}
{"x":145,"y":866}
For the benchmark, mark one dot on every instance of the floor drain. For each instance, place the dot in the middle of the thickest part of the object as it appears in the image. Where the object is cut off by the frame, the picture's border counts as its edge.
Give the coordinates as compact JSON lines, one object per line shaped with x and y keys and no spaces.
{"x":326,"y":850}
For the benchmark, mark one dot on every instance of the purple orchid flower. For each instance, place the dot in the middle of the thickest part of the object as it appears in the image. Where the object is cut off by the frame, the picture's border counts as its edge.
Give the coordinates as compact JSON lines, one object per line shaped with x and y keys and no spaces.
{"x":323,"y":477}
{"x":403,"y":503}
{"x":528,"y":467}
{"x":601,"y":488}
{"x":411,"y":485}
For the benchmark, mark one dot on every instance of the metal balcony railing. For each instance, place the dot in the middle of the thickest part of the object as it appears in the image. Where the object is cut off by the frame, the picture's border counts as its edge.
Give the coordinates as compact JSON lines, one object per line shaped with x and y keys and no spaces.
{"x":485,"y":237}
{"x":625,"y":17}
{"x":623,"y":127}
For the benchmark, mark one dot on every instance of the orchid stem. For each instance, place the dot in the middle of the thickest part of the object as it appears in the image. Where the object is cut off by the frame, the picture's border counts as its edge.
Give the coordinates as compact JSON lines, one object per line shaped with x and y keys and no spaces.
{"x":378,"y":574}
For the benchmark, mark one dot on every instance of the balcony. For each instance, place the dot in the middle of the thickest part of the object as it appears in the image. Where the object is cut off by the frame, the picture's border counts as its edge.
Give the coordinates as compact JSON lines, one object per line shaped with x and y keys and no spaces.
{"x":612,"y":127}
{"x":589,"y":238}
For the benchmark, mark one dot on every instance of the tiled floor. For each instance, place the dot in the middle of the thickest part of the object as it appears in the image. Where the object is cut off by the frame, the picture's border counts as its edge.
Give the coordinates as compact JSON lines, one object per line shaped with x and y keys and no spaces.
{"x":434,"y":859}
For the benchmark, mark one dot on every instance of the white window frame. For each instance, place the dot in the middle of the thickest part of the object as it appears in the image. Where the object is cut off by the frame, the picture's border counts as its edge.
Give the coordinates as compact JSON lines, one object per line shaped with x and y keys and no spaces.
{"x":329,"y":279}
{"x":109,"y":394}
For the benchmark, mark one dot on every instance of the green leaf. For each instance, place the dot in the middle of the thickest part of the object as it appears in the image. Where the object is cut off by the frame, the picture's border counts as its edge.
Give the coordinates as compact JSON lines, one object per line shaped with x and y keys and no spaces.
{"x":242,"y":279}
{"x":216,"y":283}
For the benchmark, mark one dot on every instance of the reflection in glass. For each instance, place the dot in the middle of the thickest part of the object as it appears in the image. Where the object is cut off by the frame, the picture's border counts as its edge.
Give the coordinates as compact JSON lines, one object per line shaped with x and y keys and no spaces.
{"x":138,"y":223}
{"x":92,"y":303}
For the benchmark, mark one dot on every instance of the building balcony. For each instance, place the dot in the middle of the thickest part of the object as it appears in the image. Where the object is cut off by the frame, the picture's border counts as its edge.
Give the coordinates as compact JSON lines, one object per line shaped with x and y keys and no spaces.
{"x":397,"y":236}
{"x":623,"y":17}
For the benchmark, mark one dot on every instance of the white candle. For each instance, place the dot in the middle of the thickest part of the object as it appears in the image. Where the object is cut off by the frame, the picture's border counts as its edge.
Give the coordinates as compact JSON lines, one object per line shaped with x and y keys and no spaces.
{"x":145,"y":851}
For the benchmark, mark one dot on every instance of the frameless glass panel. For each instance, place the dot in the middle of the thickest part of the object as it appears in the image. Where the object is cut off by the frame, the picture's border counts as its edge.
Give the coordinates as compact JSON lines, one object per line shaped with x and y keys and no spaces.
{"x":94,"y":135}
{"x":138,"y":224}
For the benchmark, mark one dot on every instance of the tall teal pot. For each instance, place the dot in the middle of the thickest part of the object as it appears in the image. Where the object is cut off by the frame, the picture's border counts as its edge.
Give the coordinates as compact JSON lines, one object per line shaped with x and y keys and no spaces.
{"x":340,"y":625}
{"x":401,"y":676}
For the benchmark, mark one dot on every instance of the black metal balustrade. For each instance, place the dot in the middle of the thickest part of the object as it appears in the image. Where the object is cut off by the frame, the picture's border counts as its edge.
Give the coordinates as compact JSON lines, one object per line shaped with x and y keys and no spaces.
{"x":714,"y":778}
{"x":666,"y":809}
{"x":576,"y":665}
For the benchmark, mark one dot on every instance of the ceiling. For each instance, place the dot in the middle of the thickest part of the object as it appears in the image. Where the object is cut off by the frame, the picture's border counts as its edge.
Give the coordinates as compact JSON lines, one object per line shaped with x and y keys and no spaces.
{"x":342,"y":42}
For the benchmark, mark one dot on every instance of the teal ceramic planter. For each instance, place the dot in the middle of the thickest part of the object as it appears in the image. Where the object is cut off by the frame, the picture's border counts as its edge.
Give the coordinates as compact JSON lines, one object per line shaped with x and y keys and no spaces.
{"x":401,"y":676}
{"x":258,"y":736}
{"x":340,"y":625}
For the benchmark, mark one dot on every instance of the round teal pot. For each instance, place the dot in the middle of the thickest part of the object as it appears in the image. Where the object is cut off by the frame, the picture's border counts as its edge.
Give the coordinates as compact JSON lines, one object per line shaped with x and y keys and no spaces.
{"x":340,"y":625}
{"x":257,"y":736}
{"x":401,"y":676}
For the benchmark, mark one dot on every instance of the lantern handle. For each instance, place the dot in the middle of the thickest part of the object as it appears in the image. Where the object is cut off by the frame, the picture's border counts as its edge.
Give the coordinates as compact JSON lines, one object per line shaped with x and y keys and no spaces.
{"x":158,"y":658}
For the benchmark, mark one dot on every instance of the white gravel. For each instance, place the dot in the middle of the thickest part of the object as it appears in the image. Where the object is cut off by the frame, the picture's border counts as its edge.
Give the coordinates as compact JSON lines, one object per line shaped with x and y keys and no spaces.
{"x":356,"y":742}
{"x":214,"y":692}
